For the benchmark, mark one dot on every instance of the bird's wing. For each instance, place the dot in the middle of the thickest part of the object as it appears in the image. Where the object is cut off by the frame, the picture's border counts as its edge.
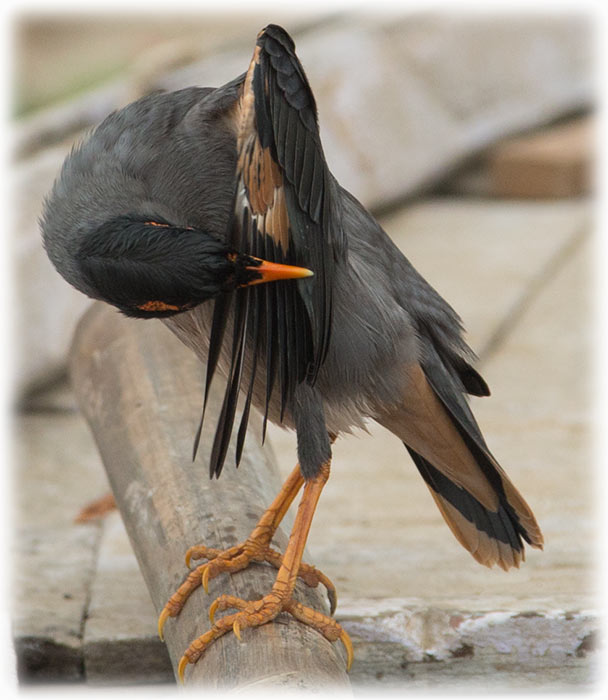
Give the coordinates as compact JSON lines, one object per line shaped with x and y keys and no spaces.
{"x":430,"y":314}
{"x":454,"y":353}
{"x":286,"y":211}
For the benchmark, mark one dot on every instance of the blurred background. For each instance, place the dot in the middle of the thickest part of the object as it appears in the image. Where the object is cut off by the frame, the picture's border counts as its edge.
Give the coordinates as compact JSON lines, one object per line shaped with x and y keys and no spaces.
{"x":470,"y":136}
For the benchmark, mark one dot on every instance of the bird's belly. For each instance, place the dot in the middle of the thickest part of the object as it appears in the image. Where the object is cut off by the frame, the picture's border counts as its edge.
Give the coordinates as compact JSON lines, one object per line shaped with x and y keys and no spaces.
{"x":345,"y":408}
{"x":193,"y":328}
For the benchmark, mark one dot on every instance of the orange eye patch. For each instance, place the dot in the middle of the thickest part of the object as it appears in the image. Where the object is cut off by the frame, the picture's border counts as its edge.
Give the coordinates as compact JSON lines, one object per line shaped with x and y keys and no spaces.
{"x":158,"y":306}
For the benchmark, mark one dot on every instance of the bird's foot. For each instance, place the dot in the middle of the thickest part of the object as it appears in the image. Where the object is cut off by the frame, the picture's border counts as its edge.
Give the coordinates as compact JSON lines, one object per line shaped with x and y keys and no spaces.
{"x":257,"y":549}
{"x":239,"y":557}
{"x":230,"y":561}
{"x":256,"y":613}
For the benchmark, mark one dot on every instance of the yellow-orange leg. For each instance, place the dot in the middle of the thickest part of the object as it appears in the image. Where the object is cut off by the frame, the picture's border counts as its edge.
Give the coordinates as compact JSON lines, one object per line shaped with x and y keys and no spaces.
{"x":258,"y":612}
{"x":255,"y":548}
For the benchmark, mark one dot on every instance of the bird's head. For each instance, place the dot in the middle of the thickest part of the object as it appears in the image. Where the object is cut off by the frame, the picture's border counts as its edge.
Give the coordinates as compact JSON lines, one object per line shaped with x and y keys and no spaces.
{"x":148,"y":267}
{"x":137,"y":215}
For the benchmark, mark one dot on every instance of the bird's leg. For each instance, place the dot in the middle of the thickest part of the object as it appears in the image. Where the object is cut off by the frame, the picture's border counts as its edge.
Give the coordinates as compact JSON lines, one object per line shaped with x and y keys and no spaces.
{"x":255,"y":548}
{"x":258,"y":612}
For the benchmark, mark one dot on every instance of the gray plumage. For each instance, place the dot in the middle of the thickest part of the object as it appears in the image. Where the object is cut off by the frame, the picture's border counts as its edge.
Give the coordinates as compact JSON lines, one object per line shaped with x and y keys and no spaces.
{"x":396,"y":352}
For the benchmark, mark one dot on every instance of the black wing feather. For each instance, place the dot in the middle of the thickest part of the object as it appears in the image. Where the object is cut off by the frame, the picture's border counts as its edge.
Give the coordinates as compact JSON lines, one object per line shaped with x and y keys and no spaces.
{"x":231,"y":396}
{"x":221,"y":310}
{"x":255,"y":335}
{"x":286,"y":211}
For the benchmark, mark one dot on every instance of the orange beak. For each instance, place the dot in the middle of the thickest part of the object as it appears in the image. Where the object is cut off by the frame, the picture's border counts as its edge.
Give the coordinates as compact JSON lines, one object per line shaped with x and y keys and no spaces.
{"x":271,"y":272}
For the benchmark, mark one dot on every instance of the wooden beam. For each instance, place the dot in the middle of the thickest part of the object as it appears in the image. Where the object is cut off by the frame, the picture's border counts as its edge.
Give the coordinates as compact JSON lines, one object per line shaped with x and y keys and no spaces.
{"x":553,"y":162}
{"x":141,"y":392}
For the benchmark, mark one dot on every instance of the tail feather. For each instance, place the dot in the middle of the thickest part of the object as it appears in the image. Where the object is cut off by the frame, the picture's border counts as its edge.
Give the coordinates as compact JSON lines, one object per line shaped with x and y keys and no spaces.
{"x":491,"y":537}
{"x":512,"y":505}
{"x":484,"y":510}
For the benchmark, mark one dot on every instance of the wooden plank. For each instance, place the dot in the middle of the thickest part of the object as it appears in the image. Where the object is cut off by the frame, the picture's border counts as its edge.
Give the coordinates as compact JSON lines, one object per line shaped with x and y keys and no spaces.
{"x":120,"y":643}
{"x":553,"y":162}
{"x":54,"y":473}
{"x":141,"y":392}
{"x":50,"y":584}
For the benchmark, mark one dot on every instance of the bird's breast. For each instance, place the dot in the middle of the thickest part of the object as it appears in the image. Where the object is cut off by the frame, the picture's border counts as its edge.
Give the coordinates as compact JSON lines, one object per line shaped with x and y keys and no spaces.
{"x":358,"y":370}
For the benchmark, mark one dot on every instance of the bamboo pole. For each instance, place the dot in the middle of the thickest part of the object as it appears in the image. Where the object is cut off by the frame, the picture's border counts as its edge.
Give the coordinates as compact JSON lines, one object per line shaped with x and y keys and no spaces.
{"x":141,"y":392}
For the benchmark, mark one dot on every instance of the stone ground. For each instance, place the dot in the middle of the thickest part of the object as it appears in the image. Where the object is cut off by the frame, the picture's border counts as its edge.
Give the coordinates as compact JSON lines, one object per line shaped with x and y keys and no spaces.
{"x":423,"y":614}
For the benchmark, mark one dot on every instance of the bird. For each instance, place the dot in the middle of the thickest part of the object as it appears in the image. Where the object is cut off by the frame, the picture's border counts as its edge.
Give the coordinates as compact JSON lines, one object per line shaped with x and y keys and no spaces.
{"x":214,"y":209}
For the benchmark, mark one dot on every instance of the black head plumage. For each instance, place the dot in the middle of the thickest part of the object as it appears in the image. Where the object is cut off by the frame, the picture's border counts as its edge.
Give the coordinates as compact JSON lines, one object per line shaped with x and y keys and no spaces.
{"x":150,"y":268}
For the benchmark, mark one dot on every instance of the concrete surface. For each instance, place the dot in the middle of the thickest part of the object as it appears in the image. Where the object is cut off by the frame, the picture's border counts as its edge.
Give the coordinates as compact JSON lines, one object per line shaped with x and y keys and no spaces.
{"x":423,"y":614}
